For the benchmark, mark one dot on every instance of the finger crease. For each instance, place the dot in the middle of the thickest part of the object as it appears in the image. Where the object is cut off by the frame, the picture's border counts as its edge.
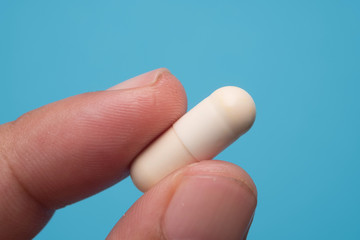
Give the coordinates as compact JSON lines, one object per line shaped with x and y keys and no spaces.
{"x":22,"y":186}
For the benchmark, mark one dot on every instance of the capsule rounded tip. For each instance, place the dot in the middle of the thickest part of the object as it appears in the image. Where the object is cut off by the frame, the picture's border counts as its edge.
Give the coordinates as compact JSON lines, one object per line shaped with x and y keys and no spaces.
{"x":238,"y":107}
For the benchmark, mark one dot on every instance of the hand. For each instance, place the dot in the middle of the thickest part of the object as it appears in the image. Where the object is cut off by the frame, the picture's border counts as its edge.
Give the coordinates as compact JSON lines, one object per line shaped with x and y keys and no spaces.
{"x":68,"y":150}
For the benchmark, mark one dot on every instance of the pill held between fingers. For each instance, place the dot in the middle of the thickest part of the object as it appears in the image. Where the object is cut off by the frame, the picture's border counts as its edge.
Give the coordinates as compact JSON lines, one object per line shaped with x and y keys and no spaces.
{"x":200,"y":134}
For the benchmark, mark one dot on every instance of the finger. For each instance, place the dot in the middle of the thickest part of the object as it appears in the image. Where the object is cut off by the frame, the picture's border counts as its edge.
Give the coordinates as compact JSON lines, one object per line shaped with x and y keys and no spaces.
{"x":210,"y":200}
{"x":73,"y":148}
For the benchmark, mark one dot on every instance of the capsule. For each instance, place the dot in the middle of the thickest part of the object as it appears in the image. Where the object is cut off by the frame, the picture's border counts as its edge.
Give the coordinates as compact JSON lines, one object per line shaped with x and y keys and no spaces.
{"x":200,"y":134}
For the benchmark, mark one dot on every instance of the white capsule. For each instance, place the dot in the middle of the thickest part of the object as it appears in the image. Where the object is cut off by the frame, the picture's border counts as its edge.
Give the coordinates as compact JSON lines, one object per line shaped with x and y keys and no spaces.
{"x":200,"y":134}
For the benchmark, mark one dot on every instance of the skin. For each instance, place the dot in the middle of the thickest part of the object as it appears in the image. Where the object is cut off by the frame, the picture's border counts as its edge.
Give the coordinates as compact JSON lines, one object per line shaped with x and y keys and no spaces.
{"x":71,"y":149}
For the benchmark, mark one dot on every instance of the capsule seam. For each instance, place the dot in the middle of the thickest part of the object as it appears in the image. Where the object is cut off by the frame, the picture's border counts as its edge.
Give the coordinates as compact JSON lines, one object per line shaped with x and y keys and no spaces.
{"x":177,"y":136}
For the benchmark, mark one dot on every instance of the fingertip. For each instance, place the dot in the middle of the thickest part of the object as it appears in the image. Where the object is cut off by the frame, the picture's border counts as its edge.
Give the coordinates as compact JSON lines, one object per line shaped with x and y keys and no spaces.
{"x":209,"y":207}
{"x":211,"y":200}
{"x":160,"y":86}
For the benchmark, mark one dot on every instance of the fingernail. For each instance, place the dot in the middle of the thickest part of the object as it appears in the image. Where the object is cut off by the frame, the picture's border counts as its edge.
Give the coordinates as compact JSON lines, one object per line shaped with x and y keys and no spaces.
{"x":143,"y":80}
{"x":209,"y":207}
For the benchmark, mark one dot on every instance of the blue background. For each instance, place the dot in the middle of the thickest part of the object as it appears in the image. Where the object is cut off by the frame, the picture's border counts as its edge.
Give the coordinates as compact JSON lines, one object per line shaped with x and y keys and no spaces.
{"x":300,"y":60}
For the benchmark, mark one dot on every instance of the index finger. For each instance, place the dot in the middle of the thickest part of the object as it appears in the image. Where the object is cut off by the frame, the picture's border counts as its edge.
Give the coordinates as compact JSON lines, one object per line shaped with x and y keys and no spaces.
{"x":71,"y":149}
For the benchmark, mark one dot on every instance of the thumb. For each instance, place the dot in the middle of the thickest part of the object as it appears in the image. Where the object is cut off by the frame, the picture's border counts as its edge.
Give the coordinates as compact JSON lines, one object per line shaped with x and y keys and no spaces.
{"x":210,"y":200}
